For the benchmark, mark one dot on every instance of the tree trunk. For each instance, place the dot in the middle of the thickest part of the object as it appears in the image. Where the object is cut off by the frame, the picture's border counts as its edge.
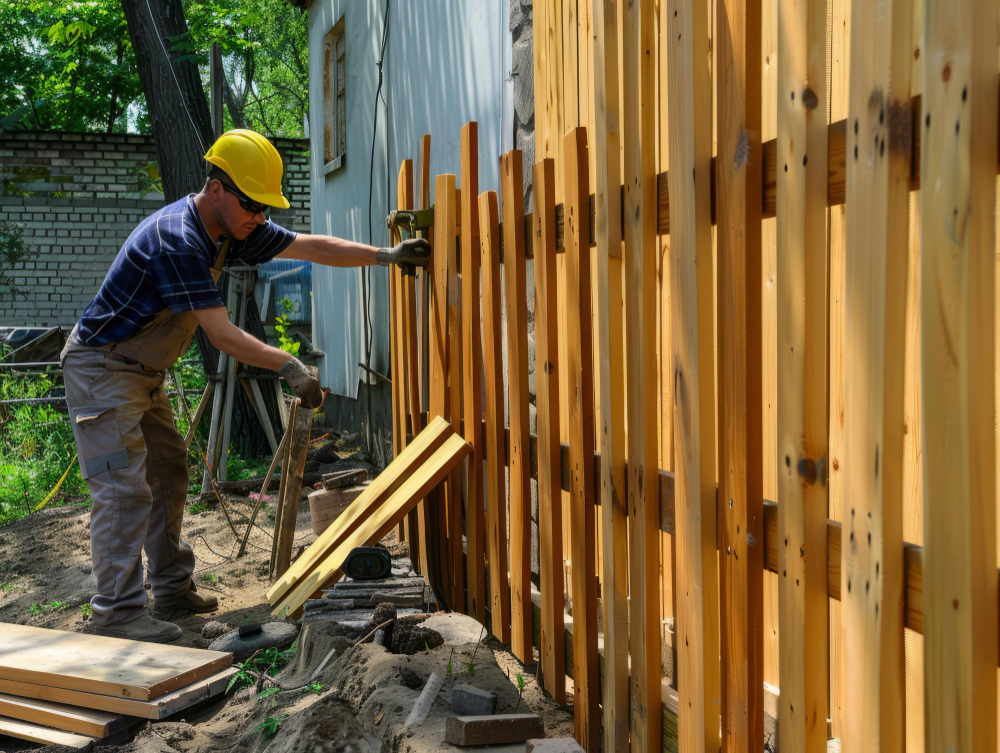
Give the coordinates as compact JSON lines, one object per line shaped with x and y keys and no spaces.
{"x":181,"y":141}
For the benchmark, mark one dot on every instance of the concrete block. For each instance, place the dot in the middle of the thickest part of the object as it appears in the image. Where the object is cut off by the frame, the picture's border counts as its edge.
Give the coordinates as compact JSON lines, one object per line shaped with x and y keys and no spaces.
{"x":467,"y":700}
{"x":493,"y":730}
{"x":553,"y":745}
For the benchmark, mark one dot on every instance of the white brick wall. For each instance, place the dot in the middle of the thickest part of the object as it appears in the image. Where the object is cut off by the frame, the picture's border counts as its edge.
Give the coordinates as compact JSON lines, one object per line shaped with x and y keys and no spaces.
{"x":78,"y":198}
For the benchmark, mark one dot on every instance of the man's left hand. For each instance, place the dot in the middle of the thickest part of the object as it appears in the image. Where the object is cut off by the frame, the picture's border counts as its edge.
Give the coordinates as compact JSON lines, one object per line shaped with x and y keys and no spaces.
{"x":413,"y":252}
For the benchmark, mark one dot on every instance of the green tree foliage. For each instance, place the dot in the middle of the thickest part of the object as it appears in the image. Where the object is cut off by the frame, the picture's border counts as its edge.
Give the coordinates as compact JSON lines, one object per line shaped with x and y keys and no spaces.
{"x":69,"y":65}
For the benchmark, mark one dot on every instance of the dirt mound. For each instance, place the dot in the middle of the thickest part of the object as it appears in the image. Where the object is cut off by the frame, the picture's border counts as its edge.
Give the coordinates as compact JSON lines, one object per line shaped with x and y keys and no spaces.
{"x":327,"y":726}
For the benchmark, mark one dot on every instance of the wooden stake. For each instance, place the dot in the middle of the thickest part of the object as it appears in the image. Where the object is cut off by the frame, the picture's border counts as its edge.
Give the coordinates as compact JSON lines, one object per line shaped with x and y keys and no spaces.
{"x":611,"y":357}
{"x":739,"y":187}
{"x":496,"y":495}
{"x":453,"y":488}
{"x":291,"y":485}
{"x":957,"y":202}
{"x":550,"y":545}
{"x":801,"y":374}
{"x":581,"y":422}
{"x":423,"y":374}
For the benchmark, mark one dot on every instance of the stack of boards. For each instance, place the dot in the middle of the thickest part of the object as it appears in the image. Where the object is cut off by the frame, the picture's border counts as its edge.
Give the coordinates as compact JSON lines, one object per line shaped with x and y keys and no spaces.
{"x":71,"y":689}
{"x":432,"y":455}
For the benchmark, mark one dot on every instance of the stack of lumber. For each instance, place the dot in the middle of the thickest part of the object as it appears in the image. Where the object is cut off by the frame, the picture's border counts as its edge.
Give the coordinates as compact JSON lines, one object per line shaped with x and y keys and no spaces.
{"x":71,"y":689}
{"x":426,"y":461}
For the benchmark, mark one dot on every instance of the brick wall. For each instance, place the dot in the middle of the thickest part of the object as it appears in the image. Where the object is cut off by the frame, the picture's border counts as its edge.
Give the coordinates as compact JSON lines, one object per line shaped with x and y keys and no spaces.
{"x":78,"y":197}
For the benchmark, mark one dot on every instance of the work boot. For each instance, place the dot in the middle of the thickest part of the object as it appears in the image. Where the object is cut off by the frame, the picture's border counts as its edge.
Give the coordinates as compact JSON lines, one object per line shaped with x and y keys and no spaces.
{"x":183,"y":604}
{"x":145,"y":628}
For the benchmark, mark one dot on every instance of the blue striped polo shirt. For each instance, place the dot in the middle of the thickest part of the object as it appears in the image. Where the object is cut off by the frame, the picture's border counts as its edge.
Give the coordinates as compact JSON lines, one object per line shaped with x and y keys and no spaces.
{"x":165,"y":264}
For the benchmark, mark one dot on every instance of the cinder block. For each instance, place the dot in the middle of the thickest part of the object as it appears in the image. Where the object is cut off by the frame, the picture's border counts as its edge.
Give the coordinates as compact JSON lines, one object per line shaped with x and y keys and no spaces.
{"x":493,"y":730}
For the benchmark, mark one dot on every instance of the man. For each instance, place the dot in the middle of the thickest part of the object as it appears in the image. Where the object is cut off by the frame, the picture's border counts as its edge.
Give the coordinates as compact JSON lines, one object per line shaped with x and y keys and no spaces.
{"x":160,"y":288}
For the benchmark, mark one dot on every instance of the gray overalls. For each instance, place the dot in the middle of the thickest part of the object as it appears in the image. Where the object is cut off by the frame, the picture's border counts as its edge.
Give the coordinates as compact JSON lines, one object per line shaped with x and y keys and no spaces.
{"x":134,"y":460}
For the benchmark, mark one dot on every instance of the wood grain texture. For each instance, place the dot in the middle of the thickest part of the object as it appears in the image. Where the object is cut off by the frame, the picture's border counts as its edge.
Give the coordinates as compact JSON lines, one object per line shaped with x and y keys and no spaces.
{"x":453,"y":488}
{"x":739,"y":189}
{"x":801,"y":378}
{"x":874,"y":348}
{"x":957,"y":277}
{"x":611,"y":364}
{"x":550,"y":555}
{"x":516,"y":310}
{"x":414,"y":455}
{"x":62,"y":716}
{"x":291,"y":484}
{"x":433,"y":472}
{"x":692,"y":372}
{"x":495,"y":444}
{"x":38,"y":733}
{"x":472,"y":375}
{"x":411,"y":362}
{"x":579,"y":365}
{"x":426,"y":294}
{"x":106,"y":666}
{"x":639,"y":266}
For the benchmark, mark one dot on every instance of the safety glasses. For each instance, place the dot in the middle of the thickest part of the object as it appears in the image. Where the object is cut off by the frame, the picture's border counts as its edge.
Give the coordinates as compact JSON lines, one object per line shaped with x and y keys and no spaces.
{"x":247,"y":203}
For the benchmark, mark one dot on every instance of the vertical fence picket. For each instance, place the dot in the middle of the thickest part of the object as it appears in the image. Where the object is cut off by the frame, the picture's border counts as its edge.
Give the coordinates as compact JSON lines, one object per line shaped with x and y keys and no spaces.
{"x":957,"y":202}
{"x":453,"y":487}
{"x":739,"y":206}
{"x":495,"y":483}
{"x":550,"y":550}
{"x":611,"y":358}
{"x":579,"y":365}
{"x":801,"y":374}
{"x":693,"y":375}
{"x":408,"y":333}
{"x":516,"y":308}
{"x":472,"y":376}
{"x":424,"y":330}
{"x":878,"y":166}
{"x":639,"y":264}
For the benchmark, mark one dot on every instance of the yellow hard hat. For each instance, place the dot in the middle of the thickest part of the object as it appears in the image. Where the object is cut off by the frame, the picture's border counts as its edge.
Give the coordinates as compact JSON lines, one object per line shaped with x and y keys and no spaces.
{"x":253,"y":164}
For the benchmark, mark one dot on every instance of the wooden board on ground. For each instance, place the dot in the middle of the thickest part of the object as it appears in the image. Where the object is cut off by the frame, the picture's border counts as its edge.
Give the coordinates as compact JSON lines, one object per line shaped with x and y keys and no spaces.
{"x":62,"y":716}
{"x":381,"y":521}
{"x":36,"y":733}
{"x":159,"y":708}
{"x":415,"y":454}
{"x":94,"y":664}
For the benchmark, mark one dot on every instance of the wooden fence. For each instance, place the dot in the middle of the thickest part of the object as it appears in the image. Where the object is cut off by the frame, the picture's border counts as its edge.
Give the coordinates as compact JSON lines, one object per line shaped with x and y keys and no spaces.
{"x":763,"y":245}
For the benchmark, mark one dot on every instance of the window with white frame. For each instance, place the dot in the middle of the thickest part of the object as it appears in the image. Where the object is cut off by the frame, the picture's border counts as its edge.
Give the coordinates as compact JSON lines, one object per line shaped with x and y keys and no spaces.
{"x":334,"y":98}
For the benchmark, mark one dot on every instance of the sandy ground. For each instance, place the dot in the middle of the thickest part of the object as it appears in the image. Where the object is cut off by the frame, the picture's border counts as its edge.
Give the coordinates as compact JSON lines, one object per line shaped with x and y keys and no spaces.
{"x":367,"y":692}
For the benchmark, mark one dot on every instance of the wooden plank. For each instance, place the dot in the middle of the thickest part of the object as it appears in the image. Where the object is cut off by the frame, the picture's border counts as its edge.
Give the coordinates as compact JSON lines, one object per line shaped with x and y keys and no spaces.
{"x":109,"y":666}
{"x":611,"y":358}
{"x":579,"y":366}
{"x":801,"y":375}
{"x":693,"y":374}
{"x":639,"y":265}
{"x":516,"y":309}
{"x":550,"y":554}
{"x":447,"y":228}
{"x":291,"y":477}
{"x":423,"y":374}
{"x":435,"y":512}
{"x":495,"y":481}
{"x":738,"y":181}
{"x":62,"y":716}
{"x":472,"y":376}
{"x":36,"y":733}
{"x":165,"y":705}
{"x":957,"y":279}
{"x":874,"y":359}
{"x":413,"y":456}
{"x":411,"y":363}
{"x":437,"y":468}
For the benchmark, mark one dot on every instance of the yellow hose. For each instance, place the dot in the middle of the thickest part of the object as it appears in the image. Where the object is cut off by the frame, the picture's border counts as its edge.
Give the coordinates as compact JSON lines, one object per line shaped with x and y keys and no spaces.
{"x":56,"y":488}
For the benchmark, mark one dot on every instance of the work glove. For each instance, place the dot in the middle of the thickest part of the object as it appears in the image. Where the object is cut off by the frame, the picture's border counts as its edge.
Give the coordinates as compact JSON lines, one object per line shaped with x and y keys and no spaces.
{"x":413,"y":252}
{"x":303,"y":383}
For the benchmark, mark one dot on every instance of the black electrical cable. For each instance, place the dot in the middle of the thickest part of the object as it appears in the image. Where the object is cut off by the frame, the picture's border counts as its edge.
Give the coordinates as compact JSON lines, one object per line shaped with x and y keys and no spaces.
{"x":366,"y":272}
